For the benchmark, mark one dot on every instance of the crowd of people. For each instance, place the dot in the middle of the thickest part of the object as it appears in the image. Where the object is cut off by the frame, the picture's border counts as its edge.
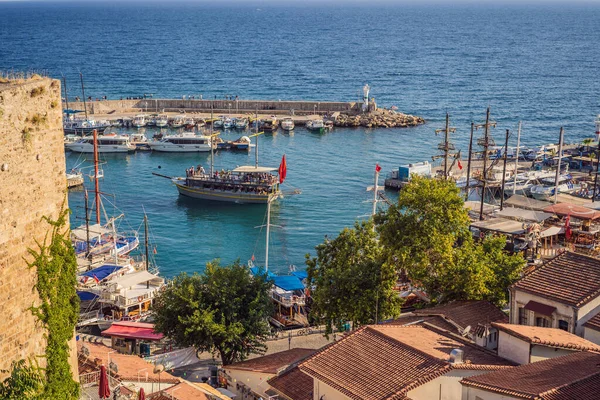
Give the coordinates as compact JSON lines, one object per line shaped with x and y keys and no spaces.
{"x":227,"y":176}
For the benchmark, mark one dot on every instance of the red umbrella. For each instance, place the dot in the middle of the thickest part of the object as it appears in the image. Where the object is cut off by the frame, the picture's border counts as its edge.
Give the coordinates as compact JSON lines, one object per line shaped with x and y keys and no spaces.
{"x":142,"y":395}
{"x":103,"y":389}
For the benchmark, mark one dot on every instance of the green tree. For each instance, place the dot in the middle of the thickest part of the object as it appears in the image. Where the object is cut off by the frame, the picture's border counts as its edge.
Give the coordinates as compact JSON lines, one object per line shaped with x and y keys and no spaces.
{"x":24,"y":382}
{"x":223,"y":311}
{"x":427,"y":235}
{"x":352,"y":283}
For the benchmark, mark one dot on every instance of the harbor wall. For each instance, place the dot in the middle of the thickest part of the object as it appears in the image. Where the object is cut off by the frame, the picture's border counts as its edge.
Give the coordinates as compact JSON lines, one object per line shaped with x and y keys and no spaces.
{"x":218,"y":106}
{"x":32,"y":185}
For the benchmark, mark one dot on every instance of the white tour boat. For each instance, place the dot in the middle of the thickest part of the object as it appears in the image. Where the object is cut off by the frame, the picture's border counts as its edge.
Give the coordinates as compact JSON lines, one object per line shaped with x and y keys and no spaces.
{"x":182,"y":143}
{"x":111,"y":143}
{"x":546,"y":189}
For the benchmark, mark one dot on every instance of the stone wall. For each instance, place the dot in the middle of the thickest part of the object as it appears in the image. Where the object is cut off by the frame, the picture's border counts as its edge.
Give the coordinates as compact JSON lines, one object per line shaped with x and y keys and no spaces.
{"x":32,"y":185}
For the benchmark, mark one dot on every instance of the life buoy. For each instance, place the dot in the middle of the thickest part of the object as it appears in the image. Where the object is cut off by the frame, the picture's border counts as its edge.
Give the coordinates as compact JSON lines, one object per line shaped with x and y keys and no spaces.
{"x":140,"y":298}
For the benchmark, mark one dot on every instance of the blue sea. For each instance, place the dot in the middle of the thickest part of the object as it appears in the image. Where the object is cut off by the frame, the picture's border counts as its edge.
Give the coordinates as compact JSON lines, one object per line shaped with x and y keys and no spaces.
{"x":539,"y":64}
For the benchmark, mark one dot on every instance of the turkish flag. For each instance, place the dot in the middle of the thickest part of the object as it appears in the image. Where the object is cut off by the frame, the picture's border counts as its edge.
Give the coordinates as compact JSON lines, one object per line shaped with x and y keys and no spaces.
{"x":96,"y":279}
{"x":282,"y":169}
{"x":377,"y":167}
{"x":459,"y":165}
{"x":568,"y":231}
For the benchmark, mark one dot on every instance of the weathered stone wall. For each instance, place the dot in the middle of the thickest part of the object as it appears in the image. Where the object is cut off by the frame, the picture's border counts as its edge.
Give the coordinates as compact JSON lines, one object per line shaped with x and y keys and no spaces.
{"x":32,"y":185}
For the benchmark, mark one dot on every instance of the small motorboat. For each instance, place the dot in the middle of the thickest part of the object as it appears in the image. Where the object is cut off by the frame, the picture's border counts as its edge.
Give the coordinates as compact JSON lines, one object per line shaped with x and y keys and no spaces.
{"x":287,"y":124}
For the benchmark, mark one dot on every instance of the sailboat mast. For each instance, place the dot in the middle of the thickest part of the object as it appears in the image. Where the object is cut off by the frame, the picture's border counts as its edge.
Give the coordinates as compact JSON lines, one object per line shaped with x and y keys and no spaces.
{"x":486,"y":142}
{"x":517,"y":158}
{"x":66,"y":95}
{"x":212,"y":150}
{"x":268,"y":233}
{"x":560,"y":147}
{"x":87,"y":224}
{"x":146,"y":241}
{"x":256,"y":147}
{"x":375,"y":188}
{"x":504,"y":170}
{"x":96,"y":184}
{"x":469,"y":162}
{"x":83,"y":94}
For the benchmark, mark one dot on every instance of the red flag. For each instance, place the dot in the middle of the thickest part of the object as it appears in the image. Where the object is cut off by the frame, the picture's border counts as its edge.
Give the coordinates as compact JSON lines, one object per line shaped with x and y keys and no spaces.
{"x":282,"y":169}
{"x":96,"y":279}
{"x":459,"y":165}
{"x":377,"y":167}
{"x":568,"y":231}
{"x":154,"y":250}
{"x":252,"y":257}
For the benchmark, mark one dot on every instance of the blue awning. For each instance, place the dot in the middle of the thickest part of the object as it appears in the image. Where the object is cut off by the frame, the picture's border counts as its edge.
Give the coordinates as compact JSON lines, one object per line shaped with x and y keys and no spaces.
{"x":300,"y":274}
{"x":288,"y":282}
{"x":261,"y":271}
{"x":85,"y":296}
{"x":102,"y":272}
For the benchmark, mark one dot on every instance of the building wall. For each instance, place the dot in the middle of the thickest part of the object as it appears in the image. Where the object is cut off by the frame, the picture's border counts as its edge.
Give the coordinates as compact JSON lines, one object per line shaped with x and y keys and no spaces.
{"x":592,"y":335}
{"x":520,"y":299}
{"x":586,"y":313}
{"x":256,"y":381}
{"x":32,"y":185}
{"x":540,"y":353}
{"x":471,"y":393}
{"x":322,"y":391}
{"x":513,"y":348}
{"x":446,"y":387}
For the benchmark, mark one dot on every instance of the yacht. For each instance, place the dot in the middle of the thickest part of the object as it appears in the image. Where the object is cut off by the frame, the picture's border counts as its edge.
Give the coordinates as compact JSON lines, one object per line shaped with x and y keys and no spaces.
{"x":186,"y":142}
{"x":287,"y":124}
{"x":241,"y":123}
{"x":111,"y":143}
{"x":178,"y":121}
{"x":228,"y":123}
{"x":525,"y":181}
{"x":162,"y":121}
{"x":83,"y":127}
{"x":546,"y":189}
{"x":315,"y":125}
{"x":219,"y":122}
{"x":139,"y":121}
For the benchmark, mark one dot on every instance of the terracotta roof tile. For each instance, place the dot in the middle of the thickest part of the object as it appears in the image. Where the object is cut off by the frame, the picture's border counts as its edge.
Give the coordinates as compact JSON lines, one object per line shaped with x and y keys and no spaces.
{"x":272,"y":363}
{"x":435,"y":320}
{"x":467,"y":313}
{"x":569,"y":278}
{"x":551,"y":337}
{"x":593,"y":323}
{"x":293,"y":384}
{"x":574,"y":376}
{"x":386,"y":361}
{"x":129,"y":365}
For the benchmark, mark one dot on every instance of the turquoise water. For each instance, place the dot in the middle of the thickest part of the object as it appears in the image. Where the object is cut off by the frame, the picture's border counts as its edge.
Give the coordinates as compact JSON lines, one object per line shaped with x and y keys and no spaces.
{"x":535,"y":63}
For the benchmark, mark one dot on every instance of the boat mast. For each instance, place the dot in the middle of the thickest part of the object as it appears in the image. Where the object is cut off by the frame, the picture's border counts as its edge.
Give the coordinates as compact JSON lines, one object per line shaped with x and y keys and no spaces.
{"x":560,"y":147}
{"x":87,"y":224}
{"x":446,"y":146}
{"x":504,"y":170}
{"x":268,"y":232}
{"x":66,"y":95}
{"x":597,"y":158}
{"x":375,"y":188}
{"x":146,"y":240}
{"x":517,"y":158}
{"x":485,"y":142}
{"x":469,"y":162}
{"x":96,"y":184}
{"x":212,"y":150}
{"x":256,"y":148}
{"x":84,"y":102}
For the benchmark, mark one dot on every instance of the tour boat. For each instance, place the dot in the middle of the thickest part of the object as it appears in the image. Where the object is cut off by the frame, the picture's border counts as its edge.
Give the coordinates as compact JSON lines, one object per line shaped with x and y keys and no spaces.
{"x":111,"y":143}
{"x":287,"y":124}
{"x":547,"y":187}
{"x":241,"y":123}
{"x":525,"y":181}
{"x":182,"y":143}
{"x":269,"y":124}
{"x":162,"y":121}
{"x":315,"y":125}
{"x":242,"y":143}
{"x":178,"y":121}
{"x":83,"y":127}
{"x":139,"y":121}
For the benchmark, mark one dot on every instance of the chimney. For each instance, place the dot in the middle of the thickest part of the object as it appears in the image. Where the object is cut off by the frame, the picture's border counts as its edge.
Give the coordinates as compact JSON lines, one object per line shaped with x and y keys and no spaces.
{"x":456,"y":356}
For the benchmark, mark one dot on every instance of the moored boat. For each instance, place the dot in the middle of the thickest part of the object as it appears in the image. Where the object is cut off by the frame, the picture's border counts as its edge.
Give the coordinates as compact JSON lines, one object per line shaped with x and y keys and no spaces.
{"x":83,"y":127}
{"x":269,"y":124}
{"x":162,"y":121}
{"x":547,"y":187}
{"x":315,"y":125}
{"x":111,"y":143}
{"x":241,"y":123}
{"x":140,"y":120}
{"x":178,"y":121}
{"x":182,"y":143}
{"x":287,"y":124}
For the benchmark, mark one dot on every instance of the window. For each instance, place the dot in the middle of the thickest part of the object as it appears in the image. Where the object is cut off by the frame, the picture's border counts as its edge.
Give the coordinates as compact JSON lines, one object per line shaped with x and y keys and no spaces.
{"x":541,"y":321}
{"x":564,"y":325}
{"x":523,"y":316}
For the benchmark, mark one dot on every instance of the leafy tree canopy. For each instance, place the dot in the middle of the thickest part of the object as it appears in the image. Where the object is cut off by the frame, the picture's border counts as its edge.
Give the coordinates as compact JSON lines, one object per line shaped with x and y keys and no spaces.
{"x":223,"y":311}
{"x":351,"y":280}
{"x":427,"y":235}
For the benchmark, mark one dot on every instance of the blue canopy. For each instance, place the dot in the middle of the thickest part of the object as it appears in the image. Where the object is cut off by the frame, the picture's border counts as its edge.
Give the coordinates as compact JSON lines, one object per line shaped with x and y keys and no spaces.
{"x":102,"y":272}
{"x":84,"y":296}
{"x":300,"y":274}
{"x":261,"y":271}
{"x":288,"y":282}
{"x":69,"y":111}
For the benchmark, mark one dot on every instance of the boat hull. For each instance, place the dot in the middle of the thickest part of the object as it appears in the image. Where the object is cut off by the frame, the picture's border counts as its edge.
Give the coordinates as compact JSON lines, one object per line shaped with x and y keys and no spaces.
{"x":179,"y":148}
{"x":219,"y":195}
{"x":84,"y":131}
{"x":88,"y":148}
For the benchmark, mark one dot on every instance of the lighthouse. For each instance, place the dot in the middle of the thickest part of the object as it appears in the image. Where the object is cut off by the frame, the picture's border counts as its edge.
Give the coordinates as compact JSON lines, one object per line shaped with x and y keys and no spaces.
{"x":366,"y":90}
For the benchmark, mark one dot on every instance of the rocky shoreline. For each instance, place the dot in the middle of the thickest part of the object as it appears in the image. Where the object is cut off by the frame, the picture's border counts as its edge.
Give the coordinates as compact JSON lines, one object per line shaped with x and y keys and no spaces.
{"x":379,"y":119}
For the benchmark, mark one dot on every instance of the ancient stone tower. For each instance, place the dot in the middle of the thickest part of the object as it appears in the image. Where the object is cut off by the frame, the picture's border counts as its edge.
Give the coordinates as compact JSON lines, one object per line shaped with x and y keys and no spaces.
{"x":32,"y":185}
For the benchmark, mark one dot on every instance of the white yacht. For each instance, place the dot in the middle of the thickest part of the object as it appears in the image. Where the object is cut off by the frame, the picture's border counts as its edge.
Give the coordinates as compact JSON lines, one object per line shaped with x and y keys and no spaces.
{"x":140,"y":120}
{"x":186,"y":142}
{"x":546,"y":189}
{"x":287,"y":124}
{"x":228,"y":123}
{"x":83,"y":126}
{"x":162,"y":120}
{"x":315,"y":125}
{"x":111,"y":143}
{"x":525,"y":181}
{"x":219,"y":122}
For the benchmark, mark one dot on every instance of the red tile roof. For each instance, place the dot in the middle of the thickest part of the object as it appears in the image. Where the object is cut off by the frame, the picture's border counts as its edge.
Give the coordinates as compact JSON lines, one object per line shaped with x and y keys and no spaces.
{"x":593,"y":323}
{"x":272,"y":363}
{"x":435,"y":320}
{"x":128,"y":365}
{"x":467,"y":313}
{"x":569,"y":278}
{"x":551,"y":337}
{"x":293,"y":384}
{"x":574,"y":376}
{"x":386,"y":361}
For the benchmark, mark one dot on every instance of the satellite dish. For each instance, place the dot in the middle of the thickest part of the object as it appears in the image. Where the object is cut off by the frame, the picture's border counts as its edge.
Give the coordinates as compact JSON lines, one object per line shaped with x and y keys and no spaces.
{"x":466,"y":331}
{"x":85,"y":351}
{"x":159,"y":368}
{"x":113,"y":367}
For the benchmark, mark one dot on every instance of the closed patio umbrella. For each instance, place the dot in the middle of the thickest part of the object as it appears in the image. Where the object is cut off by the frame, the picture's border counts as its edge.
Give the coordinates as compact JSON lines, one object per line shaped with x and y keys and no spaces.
{"x":103,"y":389}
